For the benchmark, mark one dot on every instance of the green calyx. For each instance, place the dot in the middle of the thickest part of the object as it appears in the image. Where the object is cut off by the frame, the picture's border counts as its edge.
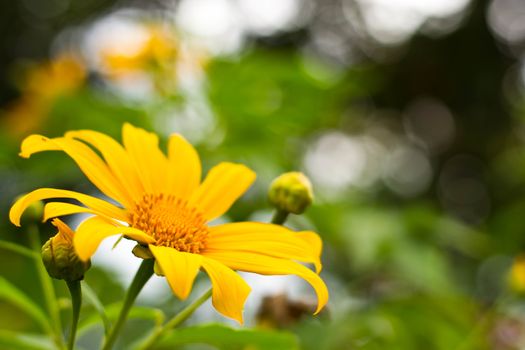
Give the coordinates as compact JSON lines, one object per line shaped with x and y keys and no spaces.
{"x":142,"y":252}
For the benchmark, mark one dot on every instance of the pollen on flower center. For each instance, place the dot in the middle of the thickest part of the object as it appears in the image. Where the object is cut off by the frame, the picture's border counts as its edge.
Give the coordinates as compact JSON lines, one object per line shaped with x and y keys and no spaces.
{"x":171,"y":222}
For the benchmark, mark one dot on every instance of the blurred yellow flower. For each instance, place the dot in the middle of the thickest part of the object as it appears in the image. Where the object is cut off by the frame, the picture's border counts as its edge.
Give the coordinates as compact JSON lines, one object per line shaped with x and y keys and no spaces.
{"x":157,"y":48}
{"x":165,"y":207}
{"x":41,"y":85}
{"x":517,"y":274}
{"x":24,"y":115}
{"x":48,"y":80}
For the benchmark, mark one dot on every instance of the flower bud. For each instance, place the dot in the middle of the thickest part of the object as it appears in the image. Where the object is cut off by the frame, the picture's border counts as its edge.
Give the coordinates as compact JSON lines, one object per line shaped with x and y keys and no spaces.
{"x":59,"y":256}
{"x":291,"y":192}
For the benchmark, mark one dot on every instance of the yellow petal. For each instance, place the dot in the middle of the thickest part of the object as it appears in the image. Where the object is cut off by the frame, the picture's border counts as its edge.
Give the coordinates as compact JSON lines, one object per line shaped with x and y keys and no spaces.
{"x":64,"y":231}
{"x":180,"y":268}
{"x":229,"y":291}
{"x":313,"y":240}
{"x":98,"y":205}
{"x":223,"y":185}
{"x":34,"y":143}
{"x":267,"y":265}
{"x":116,"y":157}
{"x":184,"y":171}
{"x":54,"y":209}
{"x":87,"y":160}
{"x":150,"y":163}
{"x":266,"y":239}
{"x":93,"y":231}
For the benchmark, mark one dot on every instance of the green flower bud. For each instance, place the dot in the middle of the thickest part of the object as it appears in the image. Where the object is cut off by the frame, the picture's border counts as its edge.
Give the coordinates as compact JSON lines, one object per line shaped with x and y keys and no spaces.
{"x":291,"y":192}
{"x":59,"y":256}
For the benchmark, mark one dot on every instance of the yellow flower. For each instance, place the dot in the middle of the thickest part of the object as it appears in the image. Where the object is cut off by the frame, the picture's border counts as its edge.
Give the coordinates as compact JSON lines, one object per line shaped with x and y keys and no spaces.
{"x":165,"y":207}
{"x":42,"y":84}
{"x":517,"y":274}
{"x":50,"y":79}
{"x":156,"y":48}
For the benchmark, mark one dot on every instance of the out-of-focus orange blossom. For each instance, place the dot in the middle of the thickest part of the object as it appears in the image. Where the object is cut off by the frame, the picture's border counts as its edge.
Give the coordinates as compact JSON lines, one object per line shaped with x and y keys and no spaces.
{"x":517,"y":274}
{"x":63,"y":74}
{"x":40,"y":85}
{"x":156,"y":49}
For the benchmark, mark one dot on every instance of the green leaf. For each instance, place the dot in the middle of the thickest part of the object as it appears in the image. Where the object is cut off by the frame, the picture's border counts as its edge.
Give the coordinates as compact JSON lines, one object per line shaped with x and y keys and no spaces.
{"x":21,"y":341}
{"x":145,"y":313}
{"x":15,"y":296}
{"x":224,"y":337}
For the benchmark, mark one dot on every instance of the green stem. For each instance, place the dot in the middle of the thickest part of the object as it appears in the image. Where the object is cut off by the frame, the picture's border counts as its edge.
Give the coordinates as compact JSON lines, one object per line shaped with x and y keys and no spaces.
{"x":187,"y":311}
{"x":176,"y":320}
{"x":76,"y":301}
{"x":47,"y":287}
{"x":142,"y":276}
{"x":279,"y":217}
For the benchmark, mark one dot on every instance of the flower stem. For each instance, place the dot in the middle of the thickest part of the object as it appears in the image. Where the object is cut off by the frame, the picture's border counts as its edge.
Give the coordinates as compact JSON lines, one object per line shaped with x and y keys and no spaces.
{"x":47,"y":286}
{"x":176,"y":320}
{"x":142,"y":276}
{"x":76,"y":300}
{"x":279,"y":216}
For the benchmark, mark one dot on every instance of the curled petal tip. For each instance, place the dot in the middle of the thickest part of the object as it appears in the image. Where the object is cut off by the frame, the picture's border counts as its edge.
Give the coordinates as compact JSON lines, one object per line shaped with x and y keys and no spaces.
{"x":318,"y":268}
{"x":240,"y":321}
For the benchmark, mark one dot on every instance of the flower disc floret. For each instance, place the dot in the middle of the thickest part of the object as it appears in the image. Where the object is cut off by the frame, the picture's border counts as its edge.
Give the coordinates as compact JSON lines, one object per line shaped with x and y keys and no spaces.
{"x":171,"y":221}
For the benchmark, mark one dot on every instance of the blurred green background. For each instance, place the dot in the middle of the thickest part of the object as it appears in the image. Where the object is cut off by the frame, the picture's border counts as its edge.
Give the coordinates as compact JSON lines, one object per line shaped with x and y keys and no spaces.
{"x":408,"y":117}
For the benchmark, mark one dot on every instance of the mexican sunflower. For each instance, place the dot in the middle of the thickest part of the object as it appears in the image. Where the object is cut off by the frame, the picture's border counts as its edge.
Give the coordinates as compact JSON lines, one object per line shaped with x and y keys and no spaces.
{"x":164,"y":205}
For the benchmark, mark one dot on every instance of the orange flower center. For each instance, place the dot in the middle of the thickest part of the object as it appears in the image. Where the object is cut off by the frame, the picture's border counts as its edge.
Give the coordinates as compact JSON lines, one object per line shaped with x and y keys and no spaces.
{"x":171,"y":222}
